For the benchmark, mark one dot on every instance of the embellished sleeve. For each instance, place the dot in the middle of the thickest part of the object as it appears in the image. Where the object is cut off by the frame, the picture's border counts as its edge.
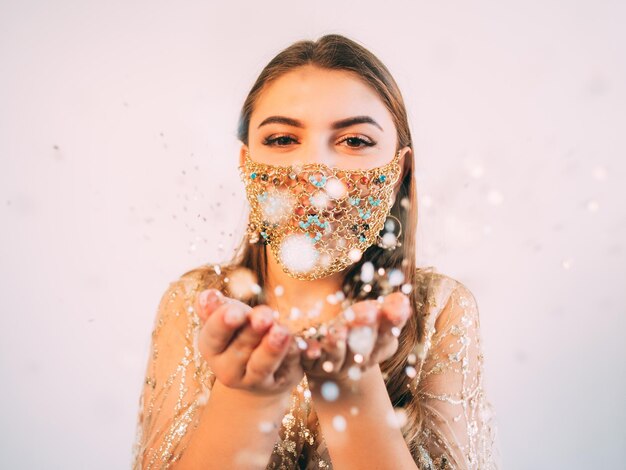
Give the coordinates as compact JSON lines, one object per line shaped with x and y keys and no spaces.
{"x":177,"y":381}
{"x":459,"y":428}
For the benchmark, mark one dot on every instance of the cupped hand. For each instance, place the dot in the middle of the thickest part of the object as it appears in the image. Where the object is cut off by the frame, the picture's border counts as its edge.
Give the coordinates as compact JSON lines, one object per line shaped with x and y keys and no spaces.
{"x":244,"y":347}
{"x":368,"y":337}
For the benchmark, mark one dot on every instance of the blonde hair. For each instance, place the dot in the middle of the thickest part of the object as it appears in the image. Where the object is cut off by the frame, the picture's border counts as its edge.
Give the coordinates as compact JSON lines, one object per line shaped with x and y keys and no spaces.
{"x":336,"y":52}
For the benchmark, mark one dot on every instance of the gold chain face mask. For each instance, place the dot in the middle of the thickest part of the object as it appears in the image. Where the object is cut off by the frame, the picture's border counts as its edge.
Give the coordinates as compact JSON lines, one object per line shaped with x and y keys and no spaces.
{"x":316,"y":219}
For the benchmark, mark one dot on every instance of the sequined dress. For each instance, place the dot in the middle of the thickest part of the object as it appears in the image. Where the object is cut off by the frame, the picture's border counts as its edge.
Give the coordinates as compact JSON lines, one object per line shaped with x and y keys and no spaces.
{"x":458,"y":430}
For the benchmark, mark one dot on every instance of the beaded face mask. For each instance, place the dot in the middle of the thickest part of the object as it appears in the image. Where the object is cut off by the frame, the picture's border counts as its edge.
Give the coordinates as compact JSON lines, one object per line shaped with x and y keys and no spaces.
{"x":316,"y":219}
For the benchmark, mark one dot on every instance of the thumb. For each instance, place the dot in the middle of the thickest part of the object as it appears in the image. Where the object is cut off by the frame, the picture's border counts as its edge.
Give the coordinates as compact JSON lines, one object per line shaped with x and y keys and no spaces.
{"x":207,"y":302}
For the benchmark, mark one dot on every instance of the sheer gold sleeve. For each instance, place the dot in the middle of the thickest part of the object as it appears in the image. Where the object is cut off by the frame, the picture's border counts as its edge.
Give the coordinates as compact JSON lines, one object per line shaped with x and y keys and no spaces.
{"x":459,"y":428}
{"x":177,"y":381}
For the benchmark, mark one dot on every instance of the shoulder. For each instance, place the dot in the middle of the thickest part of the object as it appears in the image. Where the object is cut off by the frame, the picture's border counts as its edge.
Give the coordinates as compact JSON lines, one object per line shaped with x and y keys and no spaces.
{"x":195,"y":280}
{"x":445,"y":298}
{"x":180,"y":292}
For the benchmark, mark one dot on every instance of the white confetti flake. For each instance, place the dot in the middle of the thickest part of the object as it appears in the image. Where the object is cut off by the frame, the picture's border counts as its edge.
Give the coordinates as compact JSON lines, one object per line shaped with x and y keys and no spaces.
{"x":396,"y":277}
{"x":361,"y":340}
{"x":335,"y":188}
{"x":367,"y":272}
{"x":277,"y":206}
{"x":396,"y":418}
{"x":298,"y":254}
{"x":355,"y":255}
{"x":339,"y":423}
{"x":330,"y":391}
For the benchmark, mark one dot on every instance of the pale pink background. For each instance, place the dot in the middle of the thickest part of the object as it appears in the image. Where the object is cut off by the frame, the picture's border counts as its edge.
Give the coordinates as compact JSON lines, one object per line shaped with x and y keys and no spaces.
{"x":117,"y":139}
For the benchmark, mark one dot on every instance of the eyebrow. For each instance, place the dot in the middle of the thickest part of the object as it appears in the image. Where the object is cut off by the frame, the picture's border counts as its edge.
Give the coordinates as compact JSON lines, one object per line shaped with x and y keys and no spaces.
{"x":335,"y":125}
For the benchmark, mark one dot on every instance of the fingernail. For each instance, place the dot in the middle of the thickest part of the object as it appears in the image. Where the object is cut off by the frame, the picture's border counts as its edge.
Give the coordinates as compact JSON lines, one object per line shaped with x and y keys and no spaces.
{"x":399,"y":315}
{"x":202,"y":298}
{"x":233,"y":316}
{"x":261,"y":321}
{"x":278,"y":336}
{"x":314,"y":350}
{"x":366,"y":315}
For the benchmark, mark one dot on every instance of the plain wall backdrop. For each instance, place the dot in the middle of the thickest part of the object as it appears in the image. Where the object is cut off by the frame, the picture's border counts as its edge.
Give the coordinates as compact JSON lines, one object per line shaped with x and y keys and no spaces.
{"x":118,"y":173}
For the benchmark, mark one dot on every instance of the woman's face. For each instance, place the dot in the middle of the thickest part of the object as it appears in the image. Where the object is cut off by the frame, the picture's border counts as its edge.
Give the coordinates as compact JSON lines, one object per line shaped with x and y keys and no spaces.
{"x":308,"y":116}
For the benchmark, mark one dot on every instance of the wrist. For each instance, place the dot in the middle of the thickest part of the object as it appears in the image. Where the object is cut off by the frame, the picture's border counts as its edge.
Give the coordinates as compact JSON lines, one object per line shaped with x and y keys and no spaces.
{"x":254,"y":399}
{"x":349,"y":389}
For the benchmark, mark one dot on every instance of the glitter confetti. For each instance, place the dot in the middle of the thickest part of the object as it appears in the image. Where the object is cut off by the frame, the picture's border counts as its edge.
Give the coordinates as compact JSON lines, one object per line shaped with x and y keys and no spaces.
{"x":367,"y":272}
{"x":298,"y":254}
{"x":396,"y":418}
{"x":361,"y":339}
{"x":330,"y":391}
{"x":396,"y":277}
{"x":339,"y":423}
{"x":242,"y":284}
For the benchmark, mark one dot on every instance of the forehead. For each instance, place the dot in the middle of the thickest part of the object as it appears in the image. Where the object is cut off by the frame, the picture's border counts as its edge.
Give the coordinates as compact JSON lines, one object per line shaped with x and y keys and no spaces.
{"x":318,"y":96}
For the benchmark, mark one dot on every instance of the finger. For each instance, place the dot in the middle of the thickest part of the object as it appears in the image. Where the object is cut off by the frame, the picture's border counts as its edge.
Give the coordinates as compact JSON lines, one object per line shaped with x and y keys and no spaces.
{"x":365,"y":312}
{"x":239,"y":350}
{"x":207,"y":301}
{"x":395,"y":313}
{"x":289,"y":369}
{"x":396,"y":308}
{"x":334,"y":348}
{"x":361,"y":342}
{"x":220,"y":328}
{"x":267,"y":357}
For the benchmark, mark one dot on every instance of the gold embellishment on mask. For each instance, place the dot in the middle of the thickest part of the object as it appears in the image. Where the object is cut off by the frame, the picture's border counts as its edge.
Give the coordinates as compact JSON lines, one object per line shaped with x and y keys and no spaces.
{"x":316,"y":219}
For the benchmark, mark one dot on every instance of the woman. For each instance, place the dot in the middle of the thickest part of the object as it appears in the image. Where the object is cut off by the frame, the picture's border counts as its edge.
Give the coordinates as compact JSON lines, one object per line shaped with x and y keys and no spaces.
{"x":321,"y":345}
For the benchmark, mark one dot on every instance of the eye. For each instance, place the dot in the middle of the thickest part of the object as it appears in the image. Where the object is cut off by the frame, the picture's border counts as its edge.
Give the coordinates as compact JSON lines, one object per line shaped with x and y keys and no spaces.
{"x":353,"y":139}
{"x":283,"y":139}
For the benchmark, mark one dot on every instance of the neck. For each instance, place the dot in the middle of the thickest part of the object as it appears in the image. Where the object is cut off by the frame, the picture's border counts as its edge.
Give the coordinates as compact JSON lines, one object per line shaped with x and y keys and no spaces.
{"x":300,"y":302}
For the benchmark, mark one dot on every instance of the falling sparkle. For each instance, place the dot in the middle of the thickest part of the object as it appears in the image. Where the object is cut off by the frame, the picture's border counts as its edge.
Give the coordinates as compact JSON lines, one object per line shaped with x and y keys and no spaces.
{"x":600,"y":173}
{"x":330,"y":391}
{"x":396,"y":418}
{"x":335,"y":188}
{"x":339,"y":423}
{"x":266,"y":427}
{"x":242,"y":284}
{"x":355,"y":254}
{"x":495,"y":198}
{"x":477,"y":171}
{"x":298,"y":254}
{"x":361,"y":339}
{"x":319,"y":200}
{"x":593,"y":206}
{"x":367,"y":272}
{"x":294,"y":314}
{"x":354,"y":373}
{"x":396,"y":277}
{"x":277,"y":206}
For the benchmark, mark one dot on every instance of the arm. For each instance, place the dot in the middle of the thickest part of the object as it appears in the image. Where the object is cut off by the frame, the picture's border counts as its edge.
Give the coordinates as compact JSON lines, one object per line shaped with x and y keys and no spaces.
{"x":175,"y":429}
{"x":367,"y":442}
{"x":458,"y":427}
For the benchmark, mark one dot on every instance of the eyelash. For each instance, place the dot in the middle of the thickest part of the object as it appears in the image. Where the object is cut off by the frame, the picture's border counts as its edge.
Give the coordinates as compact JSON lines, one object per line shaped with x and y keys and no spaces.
{"x":366,"y":143}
